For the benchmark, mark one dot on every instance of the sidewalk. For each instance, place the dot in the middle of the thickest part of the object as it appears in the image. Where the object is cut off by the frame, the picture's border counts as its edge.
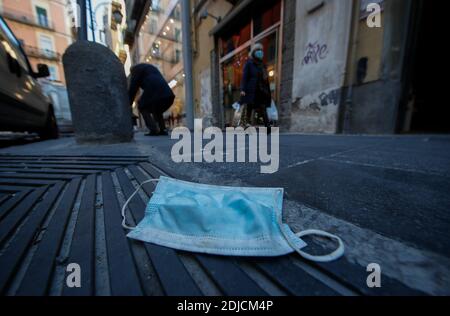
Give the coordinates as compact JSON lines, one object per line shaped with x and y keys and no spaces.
{"x":386,"y":197}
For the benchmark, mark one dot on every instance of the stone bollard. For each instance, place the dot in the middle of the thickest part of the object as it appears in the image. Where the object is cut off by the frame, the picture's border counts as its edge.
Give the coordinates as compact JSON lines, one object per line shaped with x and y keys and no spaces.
{"x":98,"y":94}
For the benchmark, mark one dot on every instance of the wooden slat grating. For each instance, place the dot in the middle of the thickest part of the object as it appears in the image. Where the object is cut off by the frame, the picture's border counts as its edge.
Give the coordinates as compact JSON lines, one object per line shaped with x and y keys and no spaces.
{"x":49,"y":218}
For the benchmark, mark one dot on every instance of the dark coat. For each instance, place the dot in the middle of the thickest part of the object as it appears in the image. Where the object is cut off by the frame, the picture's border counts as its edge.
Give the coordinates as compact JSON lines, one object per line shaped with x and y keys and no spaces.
{"x":156,"y":90}
{"x":257,"y":90}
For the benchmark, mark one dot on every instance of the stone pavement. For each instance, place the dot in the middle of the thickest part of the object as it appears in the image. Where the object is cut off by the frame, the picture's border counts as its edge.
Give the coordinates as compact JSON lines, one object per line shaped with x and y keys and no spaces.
{"x":386,"y":196}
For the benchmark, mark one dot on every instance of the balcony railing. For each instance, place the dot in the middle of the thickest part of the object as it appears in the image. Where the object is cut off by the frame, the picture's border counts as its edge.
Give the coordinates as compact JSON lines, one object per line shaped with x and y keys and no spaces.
{"x":42,"y":53}
{"x":26,"y":18}
{"x":157,"y":10}
{"x":171,"y":38}
{"x":171,"y":60}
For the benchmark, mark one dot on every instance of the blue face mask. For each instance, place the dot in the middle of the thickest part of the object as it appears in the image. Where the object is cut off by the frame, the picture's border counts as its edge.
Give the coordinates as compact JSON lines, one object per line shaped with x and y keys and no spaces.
{"x":220,"y":220}
{"x":259,"y":54}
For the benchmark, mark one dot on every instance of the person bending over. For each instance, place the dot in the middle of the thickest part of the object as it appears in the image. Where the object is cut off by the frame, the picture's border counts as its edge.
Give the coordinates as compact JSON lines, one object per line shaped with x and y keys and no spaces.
{"x":156,"y":99}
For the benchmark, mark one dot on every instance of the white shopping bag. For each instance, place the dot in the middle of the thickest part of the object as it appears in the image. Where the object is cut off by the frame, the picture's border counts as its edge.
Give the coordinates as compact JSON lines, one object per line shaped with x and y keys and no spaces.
{"x":237,"y":114}
{"x":272,"y":112}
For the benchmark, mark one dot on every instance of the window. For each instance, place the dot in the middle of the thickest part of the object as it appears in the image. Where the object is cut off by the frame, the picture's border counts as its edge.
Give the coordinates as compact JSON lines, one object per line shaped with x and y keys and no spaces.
{"x":177,"y":56}
{"x":177,"y":35}
{"x":235,"y":44}
{"x":46,"y":45}
{"x":266,"y":18}
{"x":41,"y":14}
{"x":239,"y":37}
{"x":53,"y":73}
{"x":233,"y":70}
{"x":153,"y":26}
{"x":263,"y":17}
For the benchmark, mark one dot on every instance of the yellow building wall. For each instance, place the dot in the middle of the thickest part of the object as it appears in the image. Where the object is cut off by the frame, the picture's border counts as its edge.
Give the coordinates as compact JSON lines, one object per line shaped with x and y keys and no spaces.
{"x":204,"y":43}
{"x":370,"y":45}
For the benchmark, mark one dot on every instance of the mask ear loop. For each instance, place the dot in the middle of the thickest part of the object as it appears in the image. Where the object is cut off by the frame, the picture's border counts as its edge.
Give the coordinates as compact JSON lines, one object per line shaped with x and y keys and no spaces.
{"x":124,"y":219}
{"x":339,"y":252}
{"x":310,"y":232}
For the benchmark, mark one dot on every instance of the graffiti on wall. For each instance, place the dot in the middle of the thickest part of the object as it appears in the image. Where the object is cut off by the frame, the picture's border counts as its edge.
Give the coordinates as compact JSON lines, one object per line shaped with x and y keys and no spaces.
{"x":317,"y":112}
{"x":329,"y":98}
{"x":318,"y":102}
{"x":314,"y":107}
{"x":315,"y":52}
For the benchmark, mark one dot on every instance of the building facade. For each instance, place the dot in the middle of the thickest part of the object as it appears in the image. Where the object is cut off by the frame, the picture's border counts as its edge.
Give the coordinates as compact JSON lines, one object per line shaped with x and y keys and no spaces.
{"x":44,"y":30}
{"x":335,"y":66}
{"x":113,"y":23}
{"x":206,"y":15}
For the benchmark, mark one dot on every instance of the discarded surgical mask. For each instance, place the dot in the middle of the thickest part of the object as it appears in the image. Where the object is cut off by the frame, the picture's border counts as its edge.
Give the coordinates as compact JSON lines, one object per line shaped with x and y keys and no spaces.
{"x":221,"y":220}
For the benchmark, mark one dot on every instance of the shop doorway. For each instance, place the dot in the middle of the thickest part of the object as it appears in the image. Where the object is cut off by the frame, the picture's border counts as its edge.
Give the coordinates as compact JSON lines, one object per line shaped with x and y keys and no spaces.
{"x":263,"y":26}
{"x":424,"y":113}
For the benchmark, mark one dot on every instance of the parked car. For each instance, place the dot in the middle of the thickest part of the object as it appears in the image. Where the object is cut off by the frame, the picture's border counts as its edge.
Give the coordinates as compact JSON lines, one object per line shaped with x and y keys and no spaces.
{"x":23,"y":105}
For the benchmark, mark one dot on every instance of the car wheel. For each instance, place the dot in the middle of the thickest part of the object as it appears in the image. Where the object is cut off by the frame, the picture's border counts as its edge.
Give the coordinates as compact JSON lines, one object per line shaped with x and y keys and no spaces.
{"x":50,"y":130}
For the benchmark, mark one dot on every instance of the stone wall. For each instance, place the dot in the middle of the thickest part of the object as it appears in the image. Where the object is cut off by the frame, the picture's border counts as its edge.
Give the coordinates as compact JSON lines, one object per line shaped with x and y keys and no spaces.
{"x":320,"y":61}
{"x":287,"y":64}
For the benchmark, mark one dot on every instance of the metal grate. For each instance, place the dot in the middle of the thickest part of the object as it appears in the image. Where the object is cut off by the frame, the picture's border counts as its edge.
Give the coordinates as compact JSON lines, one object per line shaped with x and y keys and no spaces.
{"x":56,"y":210}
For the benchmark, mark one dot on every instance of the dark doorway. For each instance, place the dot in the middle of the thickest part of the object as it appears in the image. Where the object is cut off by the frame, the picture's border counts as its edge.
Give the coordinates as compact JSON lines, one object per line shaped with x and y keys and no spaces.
{"x":424,"y":113}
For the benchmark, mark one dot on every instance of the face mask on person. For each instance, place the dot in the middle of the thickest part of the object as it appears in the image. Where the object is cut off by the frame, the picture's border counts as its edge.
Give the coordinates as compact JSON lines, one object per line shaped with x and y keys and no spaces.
{"x":259,"y":54}
{"x":221,"y":220}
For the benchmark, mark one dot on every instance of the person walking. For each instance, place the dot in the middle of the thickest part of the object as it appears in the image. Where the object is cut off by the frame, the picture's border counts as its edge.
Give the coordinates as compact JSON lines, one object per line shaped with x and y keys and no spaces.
{"x":255,"y":87}
{"x":157,"y":98}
